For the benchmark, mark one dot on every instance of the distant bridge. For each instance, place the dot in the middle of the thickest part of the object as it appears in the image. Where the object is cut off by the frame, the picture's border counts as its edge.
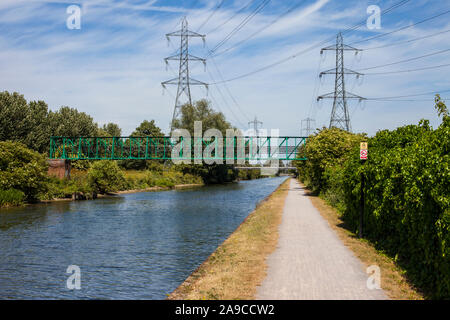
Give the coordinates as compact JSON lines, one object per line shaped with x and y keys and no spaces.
{"x":167,"y":148}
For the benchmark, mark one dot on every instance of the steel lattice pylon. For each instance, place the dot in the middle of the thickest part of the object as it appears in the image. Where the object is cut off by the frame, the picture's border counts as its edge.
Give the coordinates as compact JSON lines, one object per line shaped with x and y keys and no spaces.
{"x":339,"y":115}
{"x":183,"y":80}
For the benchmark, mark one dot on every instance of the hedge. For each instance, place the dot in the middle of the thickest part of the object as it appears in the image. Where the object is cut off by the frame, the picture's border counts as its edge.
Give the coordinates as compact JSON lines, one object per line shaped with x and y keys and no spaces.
{"x":407,"y":194}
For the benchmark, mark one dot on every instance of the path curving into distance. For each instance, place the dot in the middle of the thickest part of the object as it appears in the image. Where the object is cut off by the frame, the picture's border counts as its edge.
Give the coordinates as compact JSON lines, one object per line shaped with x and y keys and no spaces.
{"x":310,"y":261}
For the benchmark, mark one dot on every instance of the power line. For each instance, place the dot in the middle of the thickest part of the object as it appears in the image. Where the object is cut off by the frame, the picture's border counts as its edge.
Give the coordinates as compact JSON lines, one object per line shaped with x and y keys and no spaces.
{"x":261,"y":6}
{"x":228,"y":90}
{"x":402,"y":28}
{"x":410,"y":70}
{"x":211,"y":15}
{"x":225,"y":101}
{"x":319,"y":44}
{"x":232,"y":17}
{"x":409,"y":100}
{"x":409,"y":95}
{"x":407,"y":41}
{"x":261,"y":29}
{"x":407,"y":60}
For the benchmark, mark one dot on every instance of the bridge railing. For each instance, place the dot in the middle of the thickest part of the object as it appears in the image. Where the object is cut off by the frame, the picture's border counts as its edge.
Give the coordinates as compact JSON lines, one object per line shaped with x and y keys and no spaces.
{"x":168,"y":148}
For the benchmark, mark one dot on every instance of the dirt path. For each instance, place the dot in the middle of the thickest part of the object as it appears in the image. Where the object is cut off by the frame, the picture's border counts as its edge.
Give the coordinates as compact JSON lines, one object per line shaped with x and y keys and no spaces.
{"x":310,"y":261}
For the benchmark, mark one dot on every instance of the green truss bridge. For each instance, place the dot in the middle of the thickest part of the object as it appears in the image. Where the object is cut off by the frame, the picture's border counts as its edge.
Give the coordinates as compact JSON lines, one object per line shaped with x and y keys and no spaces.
{"x":167,"y":148}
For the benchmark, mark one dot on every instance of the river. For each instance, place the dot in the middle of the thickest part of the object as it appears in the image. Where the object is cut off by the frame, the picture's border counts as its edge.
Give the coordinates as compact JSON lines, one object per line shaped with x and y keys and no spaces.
{"x":134,"y":246}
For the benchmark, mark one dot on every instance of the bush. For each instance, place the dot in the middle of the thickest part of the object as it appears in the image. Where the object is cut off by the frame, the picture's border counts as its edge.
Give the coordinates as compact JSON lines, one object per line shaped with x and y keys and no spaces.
{"x":407,"y":199}
{"x":105,"y":176}
{"x":65,"y":188}
{"x":11,"y":197}
{"x":327,"y":148}
{"x":22,"y":169}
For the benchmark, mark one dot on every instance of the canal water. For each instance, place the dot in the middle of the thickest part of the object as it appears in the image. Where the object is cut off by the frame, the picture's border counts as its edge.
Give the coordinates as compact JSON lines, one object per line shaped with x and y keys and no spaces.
{"x":136,"y":246}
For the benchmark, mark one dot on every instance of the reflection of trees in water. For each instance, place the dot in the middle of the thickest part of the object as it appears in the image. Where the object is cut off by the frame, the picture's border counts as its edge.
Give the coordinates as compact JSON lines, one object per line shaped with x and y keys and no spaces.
{"x":35,"y":214}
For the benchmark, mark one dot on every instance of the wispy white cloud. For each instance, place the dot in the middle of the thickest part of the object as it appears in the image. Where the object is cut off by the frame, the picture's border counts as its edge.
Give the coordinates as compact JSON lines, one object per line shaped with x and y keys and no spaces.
{"x":112,"y":68}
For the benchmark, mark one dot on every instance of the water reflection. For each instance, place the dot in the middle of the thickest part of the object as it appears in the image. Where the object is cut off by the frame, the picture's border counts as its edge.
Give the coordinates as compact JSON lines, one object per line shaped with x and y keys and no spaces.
{"x":137,"y":246}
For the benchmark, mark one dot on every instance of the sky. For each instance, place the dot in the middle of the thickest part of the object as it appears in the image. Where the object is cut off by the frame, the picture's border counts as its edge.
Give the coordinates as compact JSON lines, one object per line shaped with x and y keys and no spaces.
{"x":113,"y":66}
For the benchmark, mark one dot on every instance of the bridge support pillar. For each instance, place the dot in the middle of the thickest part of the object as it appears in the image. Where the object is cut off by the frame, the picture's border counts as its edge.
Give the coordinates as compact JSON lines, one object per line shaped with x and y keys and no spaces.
{"x":59,"y":168}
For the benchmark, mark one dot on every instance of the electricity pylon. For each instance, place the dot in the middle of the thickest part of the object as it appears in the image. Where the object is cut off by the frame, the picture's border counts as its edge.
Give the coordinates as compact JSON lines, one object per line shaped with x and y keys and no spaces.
{"x":308,"y":129}
{"x":339,"y":115}
{"x":183,"y":80}
{"x":255,"y":125}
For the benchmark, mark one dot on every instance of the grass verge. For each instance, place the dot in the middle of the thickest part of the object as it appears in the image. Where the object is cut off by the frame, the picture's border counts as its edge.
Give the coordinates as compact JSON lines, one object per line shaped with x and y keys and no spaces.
{"x":238,"y":266}
{"x":393,"y":280}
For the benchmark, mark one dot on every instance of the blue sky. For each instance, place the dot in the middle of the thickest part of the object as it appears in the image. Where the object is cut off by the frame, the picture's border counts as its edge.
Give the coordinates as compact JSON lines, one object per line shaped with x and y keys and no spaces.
{"x":112,"y":68}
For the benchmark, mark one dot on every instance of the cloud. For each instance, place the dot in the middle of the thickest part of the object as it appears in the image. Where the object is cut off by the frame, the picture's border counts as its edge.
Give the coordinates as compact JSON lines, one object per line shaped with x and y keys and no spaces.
{"x":112,"y":68}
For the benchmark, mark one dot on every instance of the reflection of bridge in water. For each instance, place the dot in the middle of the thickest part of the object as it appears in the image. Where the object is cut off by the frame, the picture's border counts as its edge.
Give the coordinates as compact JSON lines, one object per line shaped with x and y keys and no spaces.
{"x":167,"y":148}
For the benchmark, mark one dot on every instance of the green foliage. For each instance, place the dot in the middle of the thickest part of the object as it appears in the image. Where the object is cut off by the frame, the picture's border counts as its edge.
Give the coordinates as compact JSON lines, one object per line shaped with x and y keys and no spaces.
{"x":407,"y":199}
{"x":11,"y":197}
{"x":167,"y":179}
{"x":249,"y":174}
{"x":22,"y":122}
{"x":325,"y":149}
{"x":33,"y":125}
{"x":145,"y":129}
{"x":22,"y":169}
{"x":110,"y":130}
{"x":440,"y":107}
{"x":105,"y":176}
{"x":201,"y":111}
{"x":148,"y":129}
{"x":69,"y":122}
{"x":65,"y":188}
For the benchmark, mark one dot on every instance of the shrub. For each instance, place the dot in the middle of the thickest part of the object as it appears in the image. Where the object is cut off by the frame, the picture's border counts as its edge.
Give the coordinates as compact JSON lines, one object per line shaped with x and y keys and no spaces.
{"x":11,"y":197}
{"x":326,"y":149}
{"x":407,"y":199}
{"x":22,"y":169}
{"x":105,"y":176}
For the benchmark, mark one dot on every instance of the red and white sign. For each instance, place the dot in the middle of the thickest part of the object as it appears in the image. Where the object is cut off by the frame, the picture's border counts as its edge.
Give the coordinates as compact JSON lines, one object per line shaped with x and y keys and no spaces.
{"x":363,"y":150}
{"x":363,"y":154}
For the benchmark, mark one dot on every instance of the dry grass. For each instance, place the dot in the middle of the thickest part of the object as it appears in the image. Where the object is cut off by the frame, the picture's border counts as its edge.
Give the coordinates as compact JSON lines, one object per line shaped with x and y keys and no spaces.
{"x":238,"y":266}
{"x":393,"y":281}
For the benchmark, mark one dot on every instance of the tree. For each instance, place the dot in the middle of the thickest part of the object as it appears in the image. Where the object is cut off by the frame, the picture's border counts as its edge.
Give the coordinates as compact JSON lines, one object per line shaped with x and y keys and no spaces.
{"x":39,"y":134}
{"x":69,"y":122}
{"x":14,"y":117}
{"x":440,"y":107}
{"x":22,"y":169}
{"x":147,"y":129}
{"x":110,"y":130}
{"x":201,"y":111}
{"x":105,"y":176}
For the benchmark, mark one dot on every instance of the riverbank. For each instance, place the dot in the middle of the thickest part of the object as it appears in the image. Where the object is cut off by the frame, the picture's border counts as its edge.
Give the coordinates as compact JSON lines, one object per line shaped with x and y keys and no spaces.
{"x":238,"y":266}
{"x":118,"y":193}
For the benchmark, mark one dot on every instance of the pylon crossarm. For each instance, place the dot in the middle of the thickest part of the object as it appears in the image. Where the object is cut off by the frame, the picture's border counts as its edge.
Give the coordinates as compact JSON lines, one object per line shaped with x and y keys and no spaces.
{"x":176,"y":57}
{"x":350,"y":95}
{"x":172,"y":81}
{"x":197,"y":83}
{"x":346,"y":71}
{"x":188,"y":33}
